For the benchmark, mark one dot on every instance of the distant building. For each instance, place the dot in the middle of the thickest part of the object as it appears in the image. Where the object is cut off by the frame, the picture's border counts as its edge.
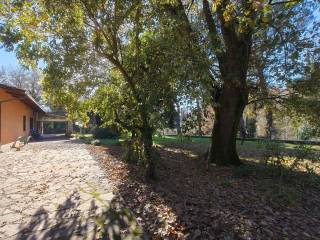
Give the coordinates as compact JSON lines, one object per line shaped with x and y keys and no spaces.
{"x":19,"y":114}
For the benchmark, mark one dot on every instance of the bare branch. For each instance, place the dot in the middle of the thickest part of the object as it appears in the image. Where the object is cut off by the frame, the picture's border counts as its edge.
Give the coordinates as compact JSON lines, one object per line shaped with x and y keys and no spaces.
{"x":283,"y":2}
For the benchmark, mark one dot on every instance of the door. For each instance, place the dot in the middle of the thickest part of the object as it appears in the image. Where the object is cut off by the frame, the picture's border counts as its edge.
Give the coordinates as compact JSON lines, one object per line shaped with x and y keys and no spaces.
{"x":31,"y":124}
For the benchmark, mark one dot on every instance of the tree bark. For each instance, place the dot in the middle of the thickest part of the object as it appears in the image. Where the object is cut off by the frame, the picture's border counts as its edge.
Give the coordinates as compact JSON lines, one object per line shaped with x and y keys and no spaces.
{"x":148,"y":152}
{"x":199,"y":118}
{"x":177,"y":118}
{"x":269,"y":125}
{"x":228,"y":112}
{"x":232,"y":50}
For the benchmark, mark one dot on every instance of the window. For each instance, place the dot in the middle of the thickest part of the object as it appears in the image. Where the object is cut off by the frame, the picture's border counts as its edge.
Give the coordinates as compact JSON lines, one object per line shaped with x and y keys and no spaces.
{"x":24,"y":123}
{"x":31,"y":124}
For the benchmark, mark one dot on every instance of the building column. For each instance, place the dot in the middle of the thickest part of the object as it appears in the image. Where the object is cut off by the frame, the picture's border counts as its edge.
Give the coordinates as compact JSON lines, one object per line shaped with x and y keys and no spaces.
{"x":41,"y":127}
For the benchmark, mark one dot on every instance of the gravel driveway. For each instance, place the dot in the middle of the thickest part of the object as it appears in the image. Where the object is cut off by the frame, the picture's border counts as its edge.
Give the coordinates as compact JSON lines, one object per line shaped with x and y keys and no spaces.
{"x":53,"y":190}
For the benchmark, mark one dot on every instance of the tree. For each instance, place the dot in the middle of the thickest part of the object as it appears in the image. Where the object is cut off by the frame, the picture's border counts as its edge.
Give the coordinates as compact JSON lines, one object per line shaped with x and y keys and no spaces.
{"x":148,"y":56}
{"x":231,"y":29}
{"x":102,"y":54}
{"x":22,"y":78}
{"x":303,"y":103}
{"x":113,"y":31}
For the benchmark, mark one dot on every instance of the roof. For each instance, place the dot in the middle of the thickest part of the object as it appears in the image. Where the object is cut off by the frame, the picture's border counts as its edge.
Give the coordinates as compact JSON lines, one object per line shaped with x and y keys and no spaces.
{"x":48,"y":117}
{"x":23,"y":96}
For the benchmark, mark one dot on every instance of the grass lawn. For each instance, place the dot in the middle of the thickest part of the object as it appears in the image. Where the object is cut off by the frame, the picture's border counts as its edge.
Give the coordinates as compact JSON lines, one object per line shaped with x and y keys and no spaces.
{"x":202,"y":142}
{"x":206,"y":141}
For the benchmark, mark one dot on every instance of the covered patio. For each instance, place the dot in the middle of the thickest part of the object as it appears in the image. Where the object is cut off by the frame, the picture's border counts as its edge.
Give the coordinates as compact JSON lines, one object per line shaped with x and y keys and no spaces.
{"x":54,"y":123}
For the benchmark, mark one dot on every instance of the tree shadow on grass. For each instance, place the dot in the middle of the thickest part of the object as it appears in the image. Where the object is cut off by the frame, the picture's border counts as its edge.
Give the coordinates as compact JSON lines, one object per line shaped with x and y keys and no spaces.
{"x":77,"y":219}
{"x":190,"y":202}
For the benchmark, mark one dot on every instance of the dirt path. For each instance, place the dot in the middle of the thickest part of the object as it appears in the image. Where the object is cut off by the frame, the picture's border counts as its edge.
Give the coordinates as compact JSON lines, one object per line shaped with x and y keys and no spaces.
{"x":53,"y":190}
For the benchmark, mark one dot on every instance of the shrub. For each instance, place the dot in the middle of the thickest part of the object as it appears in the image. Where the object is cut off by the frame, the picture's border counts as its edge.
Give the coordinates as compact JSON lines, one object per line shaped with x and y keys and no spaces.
{"x":133,"y":151}
{"x":107,"y":132}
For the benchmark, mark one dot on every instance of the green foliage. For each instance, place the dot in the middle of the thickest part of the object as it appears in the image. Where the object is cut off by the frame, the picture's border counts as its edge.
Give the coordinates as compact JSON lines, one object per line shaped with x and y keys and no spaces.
{"x":107,"y":132}
{"x":115,"y":220}
{"x":133,"y":151}
{"x":130,"y":61}
{"x":189,"y":123}
{"x":274,"y":153}
{"x":285,"y":165}
{"x":308,"y":131}
{"x":302,"y":104}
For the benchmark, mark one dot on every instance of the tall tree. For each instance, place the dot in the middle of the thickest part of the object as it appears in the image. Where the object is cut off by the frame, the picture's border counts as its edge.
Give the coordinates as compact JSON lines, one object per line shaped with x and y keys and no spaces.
{"x":231,"y":28}
{"x":115,"y":52}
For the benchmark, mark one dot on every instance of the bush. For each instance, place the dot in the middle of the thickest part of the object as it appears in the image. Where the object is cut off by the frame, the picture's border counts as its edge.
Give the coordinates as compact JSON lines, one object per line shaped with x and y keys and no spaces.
{"x":108,"y":132}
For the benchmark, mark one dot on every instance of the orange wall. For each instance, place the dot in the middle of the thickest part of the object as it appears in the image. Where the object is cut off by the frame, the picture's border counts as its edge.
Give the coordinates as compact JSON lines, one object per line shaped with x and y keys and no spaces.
{"x":12,"y":118}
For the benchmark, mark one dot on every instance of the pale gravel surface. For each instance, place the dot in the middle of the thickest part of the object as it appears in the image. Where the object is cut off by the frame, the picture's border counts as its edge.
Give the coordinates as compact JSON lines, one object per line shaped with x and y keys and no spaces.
{"x":45,"y":191}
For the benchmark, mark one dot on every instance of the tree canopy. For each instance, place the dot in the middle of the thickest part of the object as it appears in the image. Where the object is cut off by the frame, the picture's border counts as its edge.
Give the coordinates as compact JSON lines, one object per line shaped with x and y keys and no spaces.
{"x":134,"y":62}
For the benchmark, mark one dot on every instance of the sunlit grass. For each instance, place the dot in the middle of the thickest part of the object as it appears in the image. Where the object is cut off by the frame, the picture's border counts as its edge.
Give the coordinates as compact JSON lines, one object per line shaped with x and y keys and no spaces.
{"x":194,"y":140}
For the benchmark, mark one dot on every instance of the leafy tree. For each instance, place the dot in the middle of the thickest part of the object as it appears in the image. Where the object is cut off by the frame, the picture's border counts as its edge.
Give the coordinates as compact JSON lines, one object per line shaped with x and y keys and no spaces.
{"x":107,"y":56}
{"x":132,"y":61}
{"x":303,"y":103}
{"x":231,"y":30}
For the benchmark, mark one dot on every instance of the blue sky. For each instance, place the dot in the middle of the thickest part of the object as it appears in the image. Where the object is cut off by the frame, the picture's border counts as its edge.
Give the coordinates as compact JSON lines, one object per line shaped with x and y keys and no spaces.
{"x":8,"y":59}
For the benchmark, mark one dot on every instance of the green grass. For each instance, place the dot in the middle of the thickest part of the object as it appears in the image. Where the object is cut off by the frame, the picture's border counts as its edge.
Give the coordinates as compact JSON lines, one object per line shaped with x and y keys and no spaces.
{"x":205,"y":141}
{"x":177,"y":139}
{"x":83,"y":136}
{"x":110,"y":141}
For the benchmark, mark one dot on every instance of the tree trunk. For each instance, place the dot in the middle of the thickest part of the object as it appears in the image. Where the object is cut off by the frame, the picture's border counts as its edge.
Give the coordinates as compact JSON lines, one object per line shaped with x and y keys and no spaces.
{"x":148,"y":152}
{"x":269,"y":125}
{"x":242,"y":129}
{"x":199,"y":118}
{"x":228,"y":112}
{"x":177,"y":118}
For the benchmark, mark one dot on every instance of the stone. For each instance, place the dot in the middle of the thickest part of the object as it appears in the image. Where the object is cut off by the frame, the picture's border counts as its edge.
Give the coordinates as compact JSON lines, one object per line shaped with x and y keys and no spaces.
{"x":46,"y":191}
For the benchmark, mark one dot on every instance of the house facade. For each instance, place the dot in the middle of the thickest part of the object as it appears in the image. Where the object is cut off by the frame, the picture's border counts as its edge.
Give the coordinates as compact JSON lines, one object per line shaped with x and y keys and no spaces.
{"x":19,"y":114}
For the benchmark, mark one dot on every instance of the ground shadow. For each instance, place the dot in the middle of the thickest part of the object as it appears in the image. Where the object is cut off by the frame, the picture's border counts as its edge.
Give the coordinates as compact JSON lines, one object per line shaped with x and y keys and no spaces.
{"x":99,"y":220}
{"x":190,"y":202}
{"x":50,"y":137}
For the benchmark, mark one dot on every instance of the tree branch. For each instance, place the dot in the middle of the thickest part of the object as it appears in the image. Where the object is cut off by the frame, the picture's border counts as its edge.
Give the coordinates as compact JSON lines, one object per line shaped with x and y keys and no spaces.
{"x":282,"y":2}
{"x":213,"y":34}
{"x":274,"y":98}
